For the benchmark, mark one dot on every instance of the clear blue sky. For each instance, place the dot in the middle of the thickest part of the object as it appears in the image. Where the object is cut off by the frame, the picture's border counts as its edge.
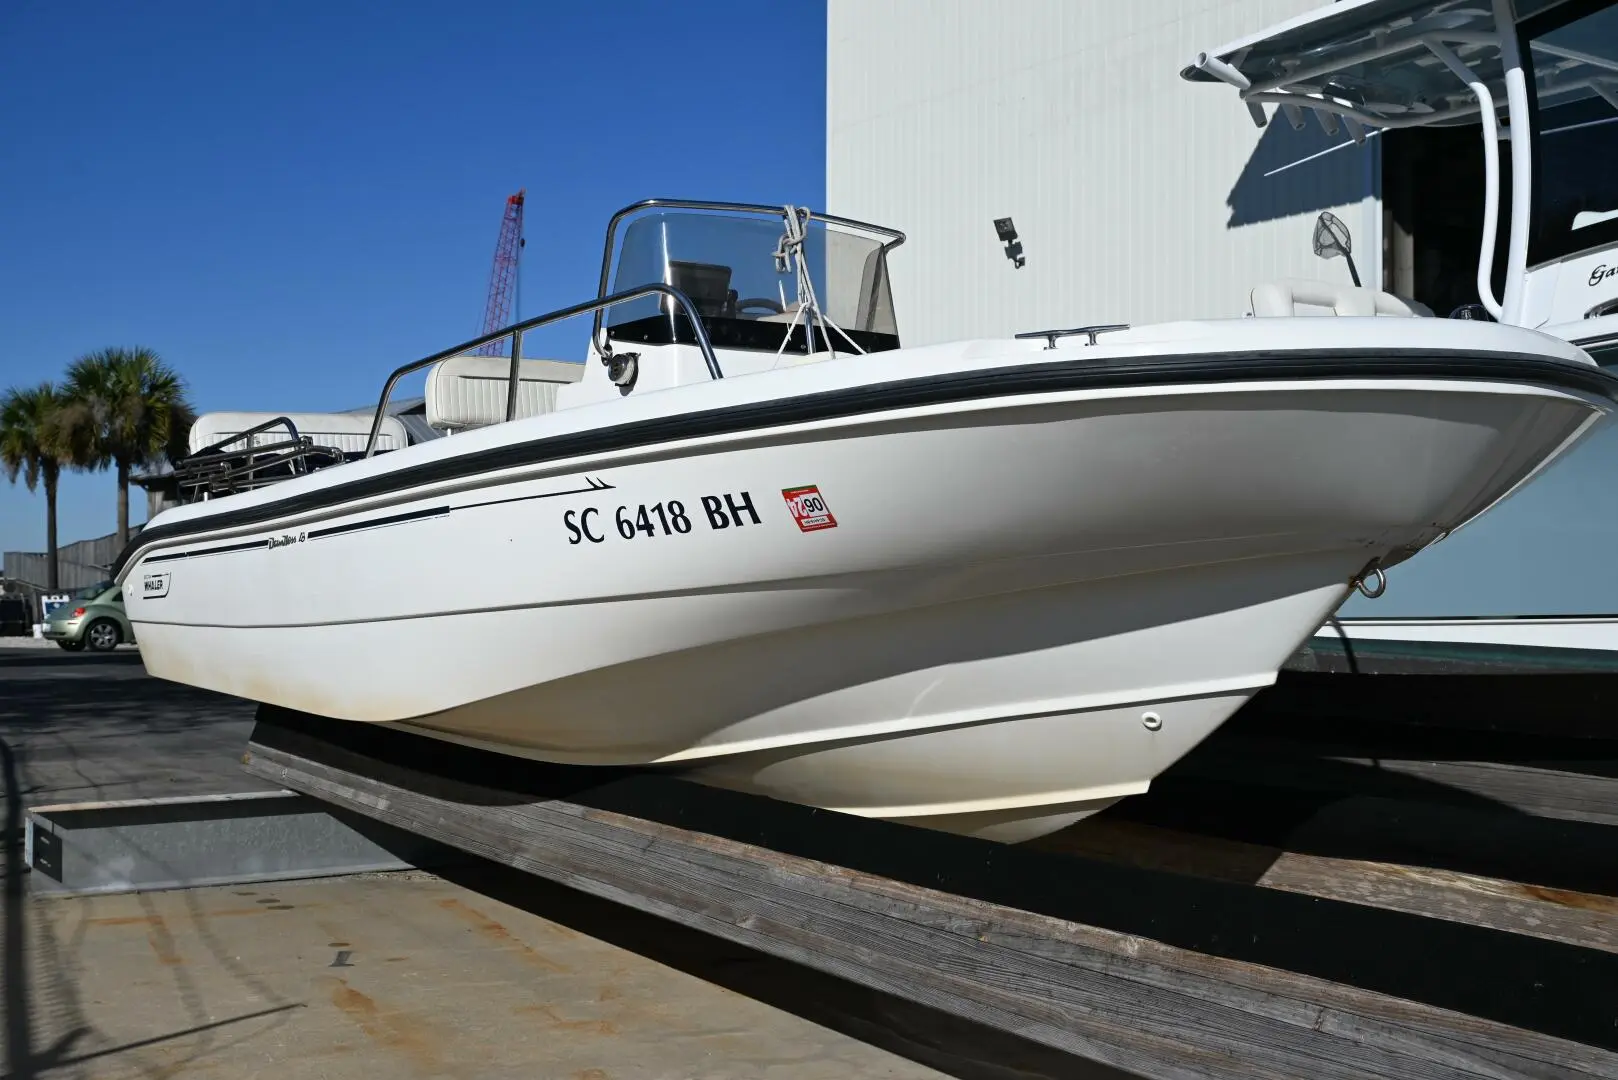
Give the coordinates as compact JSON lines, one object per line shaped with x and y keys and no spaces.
{"x":288,"y":200}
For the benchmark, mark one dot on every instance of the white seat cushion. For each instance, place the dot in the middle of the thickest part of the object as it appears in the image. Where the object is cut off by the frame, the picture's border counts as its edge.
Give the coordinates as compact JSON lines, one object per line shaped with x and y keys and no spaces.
{"x":347,"y":432}
{"x":1285,"y":297}
{"x":470,"y":391}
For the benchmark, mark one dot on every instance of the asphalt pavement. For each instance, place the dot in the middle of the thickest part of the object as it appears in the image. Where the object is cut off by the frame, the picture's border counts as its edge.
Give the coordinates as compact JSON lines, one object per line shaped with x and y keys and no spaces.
{"x":86,"y":727}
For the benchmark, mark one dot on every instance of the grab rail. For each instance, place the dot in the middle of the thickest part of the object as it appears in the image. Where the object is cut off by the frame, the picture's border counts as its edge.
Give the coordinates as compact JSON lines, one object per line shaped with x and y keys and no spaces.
{"x":516,"y":331}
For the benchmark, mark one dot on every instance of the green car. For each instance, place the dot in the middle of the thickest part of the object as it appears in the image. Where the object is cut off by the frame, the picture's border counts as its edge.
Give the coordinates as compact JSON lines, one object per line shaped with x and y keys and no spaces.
{"x":93,"y":617}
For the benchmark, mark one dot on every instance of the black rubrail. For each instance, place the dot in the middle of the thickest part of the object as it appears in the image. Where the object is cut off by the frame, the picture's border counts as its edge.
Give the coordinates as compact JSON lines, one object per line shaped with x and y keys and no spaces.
{"x":986,"y":383}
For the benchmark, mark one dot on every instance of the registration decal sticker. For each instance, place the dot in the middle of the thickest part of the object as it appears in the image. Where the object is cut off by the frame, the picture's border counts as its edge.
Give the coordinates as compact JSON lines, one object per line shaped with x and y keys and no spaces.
{"x":809,"y":508}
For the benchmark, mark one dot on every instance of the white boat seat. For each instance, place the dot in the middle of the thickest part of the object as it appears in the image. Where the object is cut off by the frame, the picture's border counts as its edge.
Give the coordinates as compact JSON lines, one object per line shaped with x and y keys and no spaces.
{"x":786,"y":315}
{"x":470,"y":391}
{"x":1288,"y":295}
{"x":347,"y":432}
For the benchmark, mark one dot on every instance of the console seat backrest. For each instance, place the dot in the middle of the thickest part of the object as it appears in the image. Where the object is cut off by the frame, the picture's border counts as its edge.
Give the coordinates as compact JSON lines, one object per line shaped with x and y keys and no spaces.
{"x":347,"y":432}
{"x":470,"y":391}
{"x":1285,"y":297}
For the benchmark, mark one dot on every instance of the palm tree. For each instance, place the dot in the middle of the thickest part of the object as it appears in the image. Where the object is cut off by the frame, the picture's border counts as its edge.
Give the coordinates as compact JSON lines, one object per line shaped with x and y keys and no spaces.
{"x":32,"y":445}
{"x":127,"y":409}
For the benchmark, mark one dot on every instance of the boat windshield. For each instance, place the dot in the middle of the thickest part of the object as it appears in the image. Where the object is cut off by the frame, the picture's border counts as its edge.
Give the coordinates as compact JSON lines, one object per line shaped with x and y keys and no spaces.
{"x":1575,"y":81}
{"x":726,"y":264}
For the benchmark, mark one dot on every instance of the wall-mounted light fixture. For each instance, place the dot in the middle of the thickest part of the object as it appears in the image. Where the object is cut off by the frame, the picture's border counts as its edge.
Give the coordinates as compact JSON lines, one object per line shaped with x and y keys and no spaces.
{"x":1007,"y":232}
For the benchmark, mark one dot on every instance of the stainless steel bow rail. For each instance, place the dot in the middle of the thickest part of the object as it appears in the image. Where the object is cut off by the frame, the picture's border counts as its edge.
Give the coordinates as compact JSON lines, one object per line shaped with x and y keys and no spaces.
{"x":224,"y":467}
{"x":515,"y":333}
{"x":278,"y":422}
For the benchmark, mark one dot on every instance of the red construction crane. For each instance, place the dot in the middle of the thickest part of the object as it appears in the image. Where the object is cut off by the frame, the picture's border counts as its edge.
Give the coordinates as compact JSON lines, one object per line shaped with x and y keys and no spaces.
{"x":501,"y":309}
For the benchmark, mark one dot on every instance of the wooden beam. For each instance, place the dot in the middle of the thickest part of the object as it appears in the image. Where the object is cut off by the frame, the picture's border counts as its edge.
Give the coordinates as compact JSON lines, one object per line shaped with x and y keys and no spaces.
{"x":1111,"y":997}
{"x":1544,"y":788}
{"x":1476,"y":838}
{"x":1586,"y":919}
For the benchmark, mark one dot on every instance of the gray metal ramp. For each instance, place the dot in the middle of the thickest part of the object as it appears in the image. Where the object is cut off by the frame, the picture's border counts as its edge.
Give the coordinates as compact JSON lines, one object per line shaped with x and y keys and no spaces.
{"x":145,"y":844}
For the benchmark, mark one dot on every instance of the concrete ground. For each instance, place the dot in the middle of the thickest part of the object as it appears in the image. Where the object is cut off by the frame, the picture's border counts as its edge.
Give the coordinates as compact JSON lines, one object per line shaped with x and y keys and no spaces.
{"x":483,"y":973}
{"x":82,"y":727}
{"x":381,"y":976}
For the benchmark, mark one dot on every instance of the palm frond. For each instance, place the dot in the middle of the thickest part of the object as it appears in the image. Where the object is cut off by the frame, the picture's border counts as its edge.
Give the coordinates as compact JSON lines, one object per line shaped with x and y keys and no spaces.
{"x":31,"y":438}
{"x":127,"y":404}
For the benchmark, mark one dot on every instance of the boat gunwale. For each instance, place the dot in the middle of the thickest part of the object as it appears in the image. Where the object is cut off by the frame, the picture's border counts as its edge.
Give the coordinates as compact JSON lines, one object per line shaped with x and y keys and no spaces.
{"x":1001,"y":381}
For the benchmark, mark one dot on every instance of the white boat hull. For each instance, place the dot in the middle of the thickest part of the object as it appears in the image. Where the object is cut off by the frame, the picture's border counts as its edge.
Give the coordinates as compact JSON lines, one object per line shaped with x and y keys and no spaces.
{"x":1525,"y":589}
{"x":1027,"y":607}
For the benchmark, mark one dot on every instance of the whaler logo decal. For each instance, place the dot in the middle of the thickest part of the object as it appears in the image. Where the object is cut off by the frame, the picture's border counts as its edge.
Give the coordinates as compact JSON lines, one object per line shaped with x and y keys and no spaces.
{"x":809,"y":508}
{"x":154,"y":586}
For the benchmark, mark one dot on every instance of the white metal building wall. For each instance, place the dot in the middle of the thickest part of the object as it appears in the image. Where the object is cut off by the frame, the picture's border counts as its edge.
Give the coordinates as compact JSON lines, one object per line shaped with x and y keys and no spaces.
{"x":1138,"y":196}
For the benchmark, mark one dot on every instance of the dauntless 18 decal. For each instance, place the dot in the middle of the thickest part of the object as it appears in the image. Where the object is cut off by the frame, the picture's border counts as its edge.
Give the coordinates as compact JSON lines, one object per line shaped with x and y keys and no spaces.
{"x":669,"y":518}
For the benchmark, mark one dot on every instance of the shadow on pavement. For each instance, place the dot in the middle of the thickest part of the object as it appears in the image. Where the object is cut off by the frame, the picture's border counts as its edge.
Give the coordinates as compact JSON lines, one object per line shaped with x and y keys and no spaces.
{"x":34,"y":656}
{"x":85,"y":727}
